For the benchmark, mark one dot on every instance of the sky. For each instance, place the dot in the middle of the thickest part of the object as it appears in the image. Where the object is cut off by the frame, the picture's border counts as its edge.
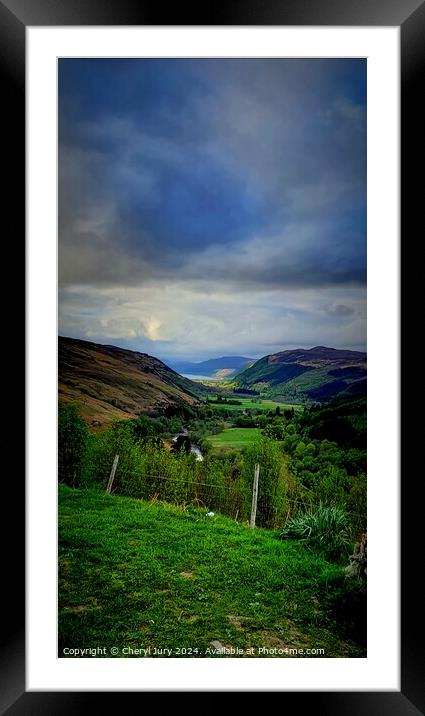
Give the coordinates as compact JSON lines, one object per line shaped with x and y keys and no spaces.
{"x":213,"y":207}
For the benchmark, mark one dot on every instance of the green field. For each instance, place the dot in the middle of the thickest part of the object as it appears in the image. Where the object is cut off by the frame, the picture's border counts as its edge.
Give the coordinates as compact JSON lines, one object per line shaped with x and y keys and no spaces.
{"x":253,"y":404}
{"x":236,"y":438}
{"x":147,"y":575}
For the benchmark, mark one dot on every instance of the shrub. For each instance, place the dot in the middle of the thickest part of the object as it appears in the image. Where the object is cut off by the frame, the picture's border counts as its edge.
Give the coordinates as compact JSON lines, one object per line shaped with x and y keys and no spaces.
{"x":272,"y":502}
{"x":72,"y":441}
{"x":118,"y":439}
{"x":323,"y":528}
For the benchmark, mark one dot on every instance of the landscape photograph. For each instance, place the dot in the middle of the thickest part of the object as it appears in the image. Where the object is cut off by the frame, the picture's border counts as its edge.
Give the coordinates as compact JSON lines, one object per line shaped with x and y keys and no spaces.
{"x":212,"y":358}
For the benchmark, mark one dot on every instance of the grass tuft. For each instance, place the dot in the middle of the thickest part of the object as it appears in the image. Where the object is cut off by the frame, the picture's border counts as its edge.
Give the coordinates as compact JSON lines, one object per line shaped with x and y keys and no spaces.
{"x":325,"y":528}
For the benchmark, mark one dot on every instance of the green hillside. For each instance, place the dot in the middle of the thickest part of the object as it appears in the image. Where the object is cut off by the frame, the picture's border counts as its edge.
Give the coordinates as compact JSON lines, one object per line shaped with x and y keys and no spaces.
{"x":316,"y":374}
{"x":137,"y":575}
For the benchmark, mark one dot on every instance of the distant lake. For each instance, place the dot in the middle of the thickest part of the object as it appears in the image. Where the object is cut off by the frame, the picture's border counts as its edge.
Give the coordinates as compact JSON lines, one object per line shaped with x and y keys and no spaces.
{"x":191,"y":376}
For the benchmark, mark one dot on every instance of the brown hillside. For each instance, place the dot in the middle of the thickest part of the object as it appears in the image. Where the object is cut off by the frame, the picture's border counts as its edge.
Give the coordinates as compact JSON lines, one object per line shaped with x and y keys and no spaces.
{"x":109,"y":382}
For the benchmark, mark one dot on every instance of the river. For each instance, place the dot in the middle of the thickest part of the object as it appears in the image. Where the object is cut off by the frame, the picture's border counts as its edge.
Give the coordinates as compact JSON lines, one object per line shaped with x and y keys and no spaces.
{"x":193,"y":448}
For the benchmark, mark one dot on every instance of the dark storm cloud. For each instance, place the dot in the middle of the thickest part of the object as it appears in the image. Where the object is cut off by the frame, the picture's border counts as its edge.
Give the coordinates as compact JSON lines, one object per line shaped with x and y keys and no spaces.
{"x":215,"y":155}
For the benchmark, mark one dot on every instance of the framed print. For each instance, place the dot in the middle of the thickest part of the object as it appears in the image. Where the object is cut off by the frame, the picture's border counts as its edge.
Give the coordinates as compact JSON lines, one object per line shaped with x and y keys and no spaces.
{"x":197,"y":190}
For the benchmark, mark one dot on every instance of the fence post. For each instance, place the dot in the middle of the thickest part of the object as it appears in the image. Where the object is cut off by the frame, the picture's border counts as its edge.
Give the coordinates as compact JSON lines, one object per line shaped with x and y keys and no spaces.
{"x":112,"y":475}
{"x":254,"y":496}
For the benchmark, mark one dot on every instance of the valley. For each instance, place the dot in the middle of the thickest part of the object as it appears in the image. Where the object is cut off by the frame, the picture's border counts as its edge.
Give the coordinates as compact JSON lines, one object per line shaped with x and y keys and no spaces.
{"x":214,"y":368}
{"x":184,"y":456}
{"x":111,"y":383}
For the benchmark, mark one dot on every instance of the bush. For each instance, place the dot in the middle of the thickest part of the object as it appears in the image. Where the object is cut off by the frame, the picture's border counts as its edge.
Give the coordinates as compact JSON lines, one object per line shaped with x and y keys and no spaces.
{"x":118,"y":439}
{"x":72,"y":442}
{"x":272,"y":502}
{"x":323,"y":528}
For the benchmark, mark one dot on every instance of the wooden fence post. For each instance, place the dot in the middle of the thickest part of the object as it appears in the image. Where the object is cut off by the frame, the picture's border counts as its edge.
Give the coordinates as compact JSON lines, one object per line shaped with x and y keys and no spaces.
{"x":254,"y":496}
{"x":112,"y":475}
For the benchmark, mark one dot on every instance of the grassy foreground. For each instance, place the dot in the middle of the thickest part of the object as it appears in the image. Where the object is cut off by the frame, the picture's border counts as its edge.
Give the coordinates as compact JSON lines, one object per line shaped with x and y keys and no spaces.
{"x":137,"y":577}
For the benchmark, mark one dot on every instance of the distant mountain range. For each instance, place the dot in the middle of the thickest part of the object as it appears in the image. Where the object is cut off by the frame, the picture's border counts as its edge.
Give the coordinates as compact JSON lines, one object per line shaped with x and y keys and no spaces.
{"x":317,"y":374}
{"x":224,"y":367}
{"x":109,"y":382}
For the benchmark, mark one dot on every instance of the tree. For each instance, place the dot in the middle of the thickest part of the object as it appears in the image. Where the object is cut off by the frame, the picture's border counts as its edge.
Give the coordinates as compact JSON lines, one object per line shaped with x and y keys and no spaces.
{"x":146,"y":429}
{"x":275,"y":430}
{"x":72,"y":441}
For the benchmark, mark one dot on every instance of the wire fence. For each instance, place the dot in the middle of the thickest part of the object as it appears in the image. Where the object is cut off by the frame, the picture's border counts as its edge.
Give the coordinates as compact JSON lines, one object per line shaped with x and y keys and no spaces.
{"x":230,"y":496}
{"x":222,"y":487}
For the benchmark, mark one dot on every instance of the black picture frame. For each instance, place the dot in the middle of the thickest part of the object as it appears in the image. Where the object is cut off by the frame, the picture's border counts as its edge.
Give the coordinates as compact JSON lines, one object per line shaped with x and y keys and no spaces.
{"x":409,"y":15}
